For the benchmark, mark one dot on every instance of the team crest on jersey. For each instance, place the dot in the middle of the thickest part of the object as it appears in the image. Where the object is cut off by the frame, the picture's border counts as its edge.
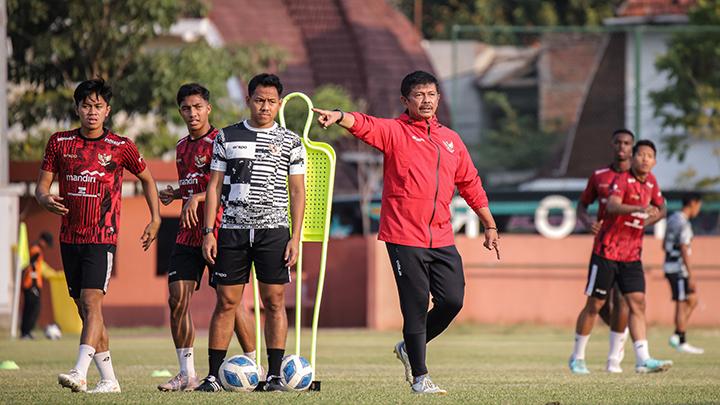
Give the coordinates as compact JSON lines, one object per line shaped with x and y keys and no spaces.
{"x":104,"y":159}
{"x":275,"y":149}
{"x":450,"y":146}
{"x":200,"y":160}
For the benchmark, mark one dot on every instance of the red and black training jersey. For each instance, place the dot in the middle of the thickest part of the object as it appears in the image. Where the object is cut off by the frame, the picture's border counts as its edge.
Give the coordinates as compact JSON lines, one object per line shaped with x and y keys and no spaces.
{"x":598,"y":188}
{"x":193,"y":158}
{"x":90,"y":173}
{"x":620,"y":237}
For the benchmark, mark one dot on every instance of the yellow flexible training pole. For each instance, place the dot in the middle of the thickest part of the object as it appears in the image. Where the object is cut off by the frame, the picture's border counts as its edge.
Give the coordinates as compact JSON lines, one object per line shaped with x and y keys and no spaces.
{"x":256,"y":309}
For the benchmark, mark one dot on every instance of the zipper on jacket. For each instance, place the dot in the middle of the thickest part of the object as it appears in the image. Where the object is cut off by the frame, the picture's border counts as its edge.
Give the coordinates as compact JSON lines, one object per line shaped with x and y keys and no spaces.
{"x":437,"y":182}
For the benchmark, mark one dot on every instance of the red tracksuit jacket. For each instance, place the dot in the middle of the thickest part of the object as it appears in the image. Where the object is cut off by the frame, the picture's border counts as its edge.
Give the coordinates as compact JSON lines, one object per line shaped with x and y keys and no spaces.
{"x":423,"y":163}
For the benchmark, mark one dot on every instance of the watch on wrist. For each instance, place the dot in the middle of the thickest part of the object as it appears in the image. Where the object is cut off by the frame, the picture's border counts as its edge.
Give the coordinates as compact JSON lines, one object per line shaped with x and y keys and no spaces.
{"x":207,"y":230}
{"x":342,"y":115}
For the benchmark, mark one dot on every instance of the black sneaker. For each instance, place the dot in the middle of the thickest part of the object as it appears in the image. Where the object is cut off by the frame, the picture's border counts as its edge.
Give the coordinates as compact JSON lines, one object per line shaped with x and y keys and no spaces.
{"x":209,"y":384}
{"x":274,"y":383}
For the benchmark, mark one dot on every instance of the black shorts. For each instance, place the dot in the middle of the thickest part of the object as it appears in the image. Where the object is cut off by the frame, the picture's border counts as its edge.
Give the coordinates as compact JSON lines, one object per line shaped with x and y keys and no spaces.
{"x":679,"y":286}
{"x":239,"y":249}
{"x":188,"y":263}
{"x":87,"y":266}
{"x":604,"y":273}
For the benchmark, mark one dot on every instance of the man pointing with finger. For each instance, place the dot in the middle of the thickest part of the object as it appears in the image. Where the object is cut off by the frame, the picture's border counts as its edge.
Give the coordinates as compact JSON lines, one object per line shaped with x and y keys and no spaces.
{"x":424,"y":161}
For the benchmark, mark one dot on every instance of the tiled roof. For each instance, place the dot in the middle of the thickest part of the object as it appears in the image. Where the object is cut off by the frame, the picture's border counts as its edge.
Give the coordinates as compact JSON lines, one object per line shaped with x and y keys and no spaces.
{"x":365,"y":46}
{"x":648,"y":8}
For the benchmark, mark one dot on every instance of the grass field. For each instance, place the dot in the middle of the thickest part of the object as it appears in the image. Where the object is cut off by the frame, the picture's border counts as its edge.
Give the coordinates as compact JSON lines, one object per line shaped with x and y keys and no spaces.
{"x":476,"y":364}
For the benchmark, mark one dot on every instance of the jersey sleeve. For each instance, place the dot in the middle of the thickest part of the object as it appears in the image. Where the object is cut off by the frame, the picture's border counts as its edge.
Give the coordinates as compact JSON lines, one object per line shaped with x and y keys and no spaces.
{"x":686,"y":234}
{"x":298,"y":157}
{"x":131,"y":159}
{"x":589,"y":195}
{"x":50,"y":161}
{"x":374,"y":131}
{"x":657,"y":198}
{"x":468,"y":181}
{"x":219,"y":163}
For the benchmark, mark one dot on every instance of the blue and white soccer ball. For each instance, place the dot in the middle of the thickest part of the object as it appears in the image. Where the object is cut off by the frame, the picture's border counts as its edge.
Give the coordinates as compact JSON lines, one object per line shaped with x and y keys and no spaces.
{"x":296,"y":372}
{"x":239,"y":373}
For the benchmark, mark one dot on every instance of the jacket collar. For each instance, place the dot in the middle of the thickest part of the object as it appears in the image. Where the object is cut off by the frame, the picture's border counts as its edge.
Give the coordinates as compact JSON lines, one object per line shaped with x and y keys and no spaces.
{"x":434,"y":123}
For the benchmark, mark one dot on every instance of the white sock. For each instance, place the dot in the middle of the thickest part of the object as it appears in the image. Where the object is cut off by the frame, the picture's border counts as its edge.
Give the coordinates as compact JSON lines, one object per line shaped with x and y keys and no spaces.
{"x":186,"y":360}
{"x":84,"y":358}
{"x":617,"y":342}
{"x":103,"y":362}
{"x":252,"y":355}
{"x":579,"y":348}
{"x":642,"y":351}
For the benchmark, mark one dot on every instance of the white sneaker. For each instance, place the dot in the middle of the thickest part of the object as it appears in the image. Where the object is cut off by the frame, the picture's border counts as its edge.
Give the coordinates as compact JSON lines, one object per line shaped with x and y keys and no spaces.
{"x":688,"y":348}
{"x":674,"y":341}
{"x":73,"y":380}
{"x":426,"y":386}
{"x":105,"y":386}
{"x":401,"y":354}
{"x":181,"y":382}
{"x":613,"y":366}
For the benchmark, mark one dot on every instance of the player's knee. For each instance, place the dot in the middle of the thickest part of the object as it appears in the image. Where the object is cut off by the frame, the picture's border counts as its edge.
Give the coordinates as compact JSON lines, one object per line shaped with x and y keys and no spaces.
{"x":593,"y":306}
{"x":178,"y":300}
{"x":275,"y":306}
{"x":452,"y":305}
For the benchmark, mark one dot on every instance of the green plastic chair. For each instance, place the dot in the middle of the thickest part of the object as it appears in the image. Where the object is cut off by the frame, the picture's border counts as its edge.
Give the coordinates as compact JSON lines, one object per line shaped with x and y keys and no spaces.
{"x":319,"y":182}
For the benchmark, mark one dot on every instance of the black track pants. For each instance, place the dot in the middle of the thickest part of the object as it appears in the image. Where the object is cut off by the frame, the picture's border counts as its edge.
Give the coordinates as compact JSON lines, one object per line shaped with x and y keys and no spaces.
{"x":420,"y":272}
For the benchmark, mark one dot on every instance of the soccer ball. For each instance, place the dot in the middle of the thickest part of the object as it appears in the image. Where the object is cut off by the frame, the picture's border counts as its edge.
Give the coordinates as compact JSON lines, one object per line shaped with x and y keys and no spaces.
{"x":239,"y":373}
{"x":52,"y":332}
{"x":296,"y":372}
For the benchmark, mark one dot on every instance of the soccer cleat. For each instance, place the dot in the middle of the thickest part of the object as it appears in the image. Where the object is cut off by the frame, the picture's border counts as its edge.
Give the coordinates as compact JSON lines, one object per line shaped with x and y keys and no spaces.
{"x":73,"y":380}
{"x":105,"y":386}
{"x":690,"y":349}
{"x":613,"y":366}
{"x":401,"y":354}
{"x":209,"y":384}
{"x":424,"y":385}
{"x":653,"y":366}
{"x":577,"y":366}
{"x":274,"y":383}
{"x":181,"y":382}
{"x":674,"y":341}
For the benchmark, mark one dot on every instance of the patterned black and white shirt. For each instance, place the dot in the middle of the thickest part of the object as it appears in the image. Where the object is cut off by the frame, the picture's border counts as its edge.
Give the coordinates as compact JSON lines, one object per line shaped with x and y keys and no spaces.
{"x":256,"y":163}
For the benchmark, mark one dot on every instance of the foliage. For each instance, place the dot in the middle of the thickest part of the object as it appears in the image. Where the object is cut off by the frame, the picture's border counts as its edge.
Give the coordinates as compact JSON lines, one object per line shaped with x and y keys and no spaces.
{"x":517,"y":143}
{"x":439,"y":16}
{"x":327,"y":96}
{"x":689,"y":106}
{"x":58,"y":44}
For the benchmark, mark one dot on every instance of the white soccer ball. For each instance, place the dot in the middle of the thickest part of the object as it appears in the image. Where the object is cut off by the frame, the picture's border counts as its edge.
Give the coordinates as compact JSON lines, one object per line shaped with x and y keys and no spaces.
{"x":296,"y":372}
{"x":52,"y":332}
{"x":239,"y":373}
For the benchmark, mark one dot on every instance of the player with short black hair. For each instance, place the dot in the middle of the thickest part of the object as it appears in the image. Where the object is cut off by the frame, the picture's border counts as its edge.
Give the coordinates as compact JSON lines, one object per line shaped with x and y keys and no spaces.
{"x":635,"y":202}
{"x":187,"y":264}
{"x":615,"y":311}
{"x":89,"y":162}
{"x":678,"y":236}
{"x":256,"y":163}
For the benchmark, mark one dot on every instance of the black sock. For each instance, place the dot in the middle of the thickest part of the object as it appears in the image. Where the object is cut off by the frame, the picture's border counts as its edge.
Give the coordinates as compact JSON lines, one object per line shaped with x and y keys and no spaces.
{"x":216,"y":358}
{"x":681,"y":335}
{"x":275,"y":357}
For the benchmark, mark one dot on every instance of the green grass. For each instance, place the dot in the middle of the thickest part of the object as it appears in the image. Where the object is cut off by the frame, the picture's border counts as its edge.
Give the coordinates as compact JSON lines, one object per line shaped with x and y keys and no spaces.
{"x":476,"y":364}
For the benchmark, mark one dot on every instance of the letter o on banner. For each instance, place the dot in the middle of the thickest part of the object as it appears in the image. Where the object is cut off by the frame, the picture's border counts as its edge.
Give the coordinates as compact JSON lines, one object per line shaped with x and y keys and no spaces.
{"x":543,"y":211}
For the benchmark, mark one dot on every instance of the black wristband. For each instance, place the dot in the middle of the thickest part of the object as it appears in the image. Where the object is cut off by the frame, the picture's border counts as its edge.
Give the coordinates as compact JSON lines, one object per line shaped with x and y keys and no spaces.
{"x":207,"y":231}
{"x":342,"y":115}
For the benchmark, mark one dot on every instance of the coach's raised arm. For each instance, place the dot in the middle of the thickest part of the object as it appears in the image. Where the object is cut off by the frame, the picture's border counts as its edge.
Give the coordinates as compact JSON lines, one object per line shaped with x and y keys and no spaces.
{"x":423,"y":163}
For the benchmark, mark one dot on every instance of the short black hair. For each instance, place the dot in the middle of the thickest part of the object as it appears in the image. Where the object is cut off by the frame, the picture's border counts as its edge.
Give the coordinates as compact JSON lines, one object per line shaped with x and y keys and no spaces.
{"x":89,"y":87}
{"x":47,"y":237}
{"x":265,"y":80}
{"x":623,"y":131}
{"x":644,"y":142}
{"x":192,"y":89}
{"x":417,"y":78}
{"x":689,"y":198}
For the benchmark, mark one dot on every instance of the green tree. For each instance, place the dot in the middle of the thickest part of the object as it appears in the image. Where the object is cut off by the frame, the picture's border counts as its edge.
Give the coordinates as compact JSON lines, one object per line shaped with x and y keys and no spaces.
{"x":57,"y":44}
{"x":325,"y":96}
{"x":689,"y":106}
{"x":439,"y":16}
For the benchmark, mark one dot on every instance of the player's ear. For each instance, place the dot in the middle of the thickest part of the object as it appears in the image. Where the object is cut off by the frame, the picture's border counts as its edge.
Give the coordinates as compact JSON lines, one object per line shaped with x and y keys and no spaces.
{"x":209,"y":108}
{"x":404,"y":101}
